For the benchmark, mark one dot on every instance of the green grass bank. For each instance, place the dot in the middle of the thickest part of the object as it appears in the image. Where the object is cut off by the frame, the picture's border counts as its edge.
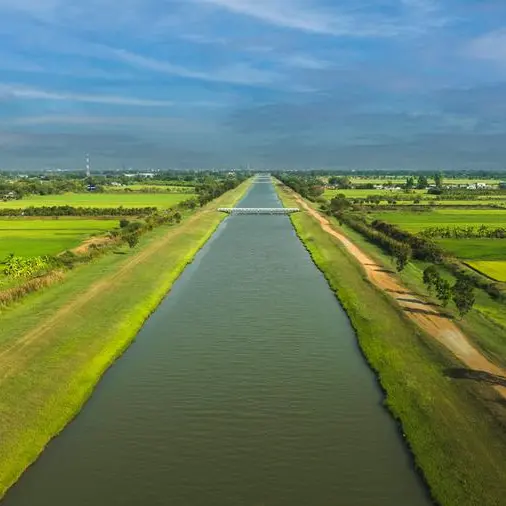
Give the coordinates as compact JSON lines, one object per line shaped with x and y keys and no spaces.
{"x":454,"y":428}
{"x":56,"y":344}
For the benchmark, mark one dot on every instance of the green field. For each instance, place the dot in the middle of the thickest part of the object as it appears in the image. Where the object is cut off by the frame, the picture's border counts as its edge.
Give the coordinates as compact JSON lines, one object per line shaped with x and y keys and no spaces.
{"x":474,"y":249}
{"x":401,"y":197}
{"x":417,"y":221}
{"x":161,"y":200}
{"x":493,"y":269}
{"x":353,"y":193}
{"x":148,"y":188}
{"x":33,"y":237}
{"x":402,"y":179}
{"x":447,"y":423}
{"x":111,"y":298}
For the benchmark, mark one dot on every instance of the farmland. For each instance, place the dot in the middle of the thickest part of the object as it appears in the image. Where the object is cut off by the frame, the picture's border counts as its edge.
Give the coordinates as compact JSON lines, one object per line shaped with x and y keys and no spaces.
{"x":161,"y":200}
{"x":417,"y":221}
{"x":422,"y":197}
{"x":482,"y":254}
{"x":147,"y":188}
{"x":397,"y":179}
{"x":493,"y":269}
{"x":34,"y":237}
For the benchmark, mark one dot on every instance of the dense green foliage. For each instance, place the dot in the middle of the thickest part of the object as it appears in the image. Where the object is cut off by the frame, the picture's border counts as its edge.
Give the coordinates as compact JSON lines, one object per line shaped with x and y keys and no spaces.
{"x":19,"y":267}
{"x":309,"y":187}
{"x":469,"y":232}
{"x":77,"y":211}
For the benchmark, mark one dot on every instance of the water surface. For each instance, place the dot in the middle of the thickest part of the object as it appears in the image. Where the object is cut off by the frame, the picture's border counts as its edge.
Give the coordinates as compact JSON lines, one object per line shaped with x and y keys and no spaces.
{"x":245,"y":387}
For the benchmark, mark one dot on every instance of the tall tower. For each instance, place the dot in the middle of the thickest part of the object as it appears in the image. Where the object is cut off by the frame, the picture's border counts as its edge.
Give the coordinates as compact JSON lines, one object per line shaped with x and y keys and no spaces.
{"x":88,"y":166}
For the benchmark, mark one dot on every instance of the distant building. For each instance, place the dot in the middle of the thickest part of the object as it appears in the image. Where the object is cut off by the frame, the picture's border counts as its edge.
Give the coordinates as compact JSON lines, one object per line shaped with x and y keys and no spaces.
{"x":8,"y":196}
{"x":502,"y":185}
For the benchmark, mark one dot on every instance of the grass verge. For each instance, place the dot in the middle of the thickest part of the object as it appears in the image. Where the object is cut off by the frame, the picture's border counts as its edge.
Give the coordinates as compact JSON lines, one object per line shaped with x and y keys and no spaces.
{"x":455,"y":428}
{"x":56,"y":344}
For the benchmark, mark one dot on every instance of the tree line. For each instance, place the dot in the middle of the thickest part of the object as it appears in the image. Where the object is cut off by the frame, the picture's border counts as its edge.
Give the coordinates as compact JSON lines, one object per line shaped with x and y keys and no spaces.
{"x":468,"y":232}
{"x":308,"y":187}
{"x":77,"y":211}
{"x":461,"y":292}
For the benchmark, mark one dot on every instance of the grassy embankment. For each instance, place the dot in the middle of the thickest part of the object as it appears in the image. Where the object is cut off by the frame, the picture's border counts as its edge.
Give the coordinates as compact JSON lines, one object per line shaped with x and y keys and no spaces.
{"x":56,"y":344}
{"x":161,"y":200}
{"x":455,"y":428}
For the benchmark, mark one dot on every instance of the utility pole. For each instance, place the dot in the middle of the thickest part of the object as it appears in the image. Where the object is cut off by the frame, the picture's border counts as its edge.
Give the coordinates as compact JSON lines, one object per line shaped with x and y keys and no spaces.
{"x":88,"y":173}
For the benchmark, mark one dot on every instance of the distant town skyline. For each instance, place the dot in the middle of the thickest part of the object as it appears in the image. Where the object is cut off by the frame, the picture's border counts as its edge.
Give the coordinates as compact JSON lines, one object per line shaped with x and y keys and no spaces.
{"x":384,"y":84}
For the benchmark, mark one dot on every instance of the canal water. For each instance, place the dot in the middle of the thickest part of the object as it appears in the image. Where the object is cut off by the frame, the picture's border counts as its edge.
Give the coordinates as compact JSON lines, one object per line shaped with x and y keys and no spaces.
{"x":245,"y":388}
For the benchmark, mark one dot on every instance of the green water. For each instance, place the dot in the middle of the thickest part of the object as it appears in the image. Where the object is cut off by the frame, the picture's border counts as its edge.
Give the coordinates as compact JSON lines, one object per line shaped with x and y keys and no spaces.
{"x":246,"y":387}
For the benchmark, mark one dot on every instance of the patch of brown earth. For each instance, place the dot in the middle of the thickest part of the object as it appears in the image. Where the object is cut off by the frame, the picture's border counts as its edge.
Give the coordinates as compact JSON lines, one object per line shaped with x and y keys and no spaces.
{"x":426,"y":315}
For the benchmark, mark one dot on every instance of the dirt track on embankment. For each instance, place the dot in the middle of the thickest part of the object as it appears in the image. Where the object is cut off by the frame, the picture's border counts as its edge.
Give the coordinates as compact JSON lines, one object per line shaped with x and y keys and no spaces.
{"x":426,"y":315}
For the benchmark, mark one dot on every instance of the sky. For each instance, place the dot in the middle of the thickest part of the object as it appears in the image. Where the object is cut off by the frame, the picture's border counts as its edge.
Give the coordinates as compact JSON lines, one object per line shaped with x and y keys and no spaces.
{"x":273,"y":84}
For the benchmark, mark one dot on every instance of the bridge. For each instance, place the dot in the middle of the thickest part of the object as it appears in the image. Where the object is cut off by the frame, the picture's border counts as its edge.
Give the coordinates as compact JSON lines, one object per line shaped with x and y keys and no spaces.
{"x":259,"y":210}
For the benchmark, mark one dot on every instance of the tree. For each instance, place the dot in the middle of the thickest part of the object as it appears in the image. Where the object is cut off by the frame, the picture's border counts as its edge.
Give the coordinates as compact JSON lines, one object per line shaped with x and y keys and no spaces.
{"x":463,"y":296}
{"x":123,"y":223}
{"x":402,"y":253}
{"x":422,"y":182}
{"x":443,"y":291}
{"x":340,"y":181}
{"x":132,"y":239}
{"x":438,"y":179}
{"x":410,"y":183}
{"x":339,"y":203}
{"x":431,"y":277}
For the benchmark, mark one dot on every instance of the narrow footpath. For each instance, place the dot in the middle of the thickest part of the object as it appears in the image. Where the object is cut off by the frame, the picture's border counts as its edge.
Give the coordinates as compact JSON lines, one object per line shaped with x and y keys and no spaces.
{"x":423,"y":313}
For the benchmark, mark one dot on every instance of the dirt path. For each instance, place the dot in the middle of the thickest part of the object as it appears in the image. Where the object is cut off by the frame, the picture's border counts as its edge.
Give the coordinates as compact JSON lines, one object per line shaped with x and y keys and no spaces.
{"x":423,"y":313}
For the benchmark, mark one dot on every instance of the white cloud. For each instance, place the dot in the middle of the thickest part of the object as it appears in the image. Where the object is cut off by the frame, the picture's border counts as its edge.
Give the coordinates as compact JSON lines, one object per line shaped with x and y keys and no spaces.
{"x":24,"y":92}
{"x":342,"y":20}
{"x":306,"y":62}
{"x":239,"y":73}
{"x":285,"y":14}
{"x":174,"y":124}
{"x":491,"y":46}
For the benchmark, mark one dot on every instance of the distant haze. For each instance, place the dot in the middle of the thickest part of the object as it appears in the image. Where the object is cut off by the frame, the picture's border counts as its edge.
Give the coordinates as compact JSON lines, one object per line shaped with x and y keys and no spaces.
{"x":383,"y":84}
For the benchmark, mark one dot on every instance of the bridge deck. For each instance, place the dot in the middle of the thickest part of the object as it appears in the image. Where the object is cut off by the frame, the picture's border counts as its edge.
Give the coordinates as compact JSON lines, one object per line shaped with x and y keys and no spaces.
{"x":258,"y":210}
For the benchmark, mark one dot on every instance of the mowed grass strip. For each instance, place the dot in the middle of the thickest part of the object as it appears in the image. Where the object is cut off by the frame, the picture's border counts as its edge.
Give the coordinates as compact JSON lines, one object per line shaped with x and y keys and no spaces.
{"x":451,"y":426}
{"x":55,"y":346}
{"x":493,"y":269}
{"x":30,"y":237}
{"x":160,"y":200}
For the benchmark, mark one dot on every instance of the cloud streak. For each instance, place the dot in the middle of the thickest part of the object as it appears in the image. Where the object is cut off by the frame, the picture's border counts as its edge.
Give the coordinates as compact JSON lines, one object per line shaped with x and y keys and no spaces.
{"x":238,"y":73}
{"x":411,"y":16}
{"x":9,"y":91}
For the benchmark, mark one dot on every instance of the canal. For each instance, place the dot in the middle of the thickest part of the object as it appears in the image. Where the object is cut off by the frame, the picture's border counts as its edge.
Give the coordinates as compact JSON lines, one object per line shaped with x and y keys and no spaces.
{"x":245,"y":387}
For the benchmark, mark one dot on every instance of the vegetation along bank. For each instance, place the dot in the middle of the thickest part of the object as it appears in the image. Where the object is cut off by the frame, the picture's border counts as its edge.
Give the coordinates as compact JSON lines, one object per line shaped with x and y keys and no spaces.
{"x":56,"y":343}
{"x":448,"y":419}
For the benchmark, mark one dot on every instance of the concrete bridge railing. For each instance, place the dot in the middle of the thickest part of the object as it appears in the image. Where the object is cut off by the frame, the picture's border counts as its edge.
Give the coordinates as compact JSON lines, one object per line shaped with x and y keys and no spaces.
{"x":258,"y":210}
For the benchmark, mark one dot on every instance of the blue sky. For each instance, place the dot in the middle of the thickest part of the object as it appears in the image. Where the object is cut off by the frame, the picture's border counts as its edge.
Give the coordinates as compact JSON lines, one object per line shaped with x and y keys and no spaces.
{"x":271,"y":83}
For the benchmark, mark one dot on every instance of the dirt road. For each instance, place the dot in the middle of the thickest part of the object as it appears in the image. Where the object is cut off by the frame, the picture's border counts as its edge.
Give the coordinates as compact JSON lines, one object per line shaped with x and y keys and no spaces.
{"x":423,"y":313}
